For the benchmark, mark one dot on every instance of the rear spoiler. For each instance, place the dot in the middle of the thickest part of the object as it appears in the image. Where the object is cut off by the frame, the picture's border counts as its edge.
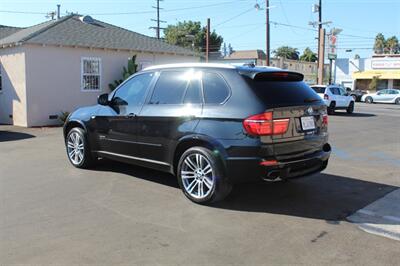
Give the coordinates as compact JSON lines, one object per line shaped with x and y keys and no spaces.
{"x":273,"y":75}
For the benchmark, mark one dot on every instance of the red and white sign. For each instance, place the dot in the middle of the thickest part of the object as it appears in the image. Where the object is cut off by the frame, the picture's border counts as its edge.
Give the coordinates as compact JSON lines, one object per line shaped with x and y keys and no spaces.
{"x":385,"y":63}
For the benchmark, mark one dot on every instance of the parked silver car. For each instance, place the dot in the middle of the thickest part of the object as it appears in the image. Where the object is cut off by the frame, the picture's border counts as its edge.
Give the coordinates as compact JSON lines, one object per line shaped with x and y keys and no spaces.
{"x":382,"y":96}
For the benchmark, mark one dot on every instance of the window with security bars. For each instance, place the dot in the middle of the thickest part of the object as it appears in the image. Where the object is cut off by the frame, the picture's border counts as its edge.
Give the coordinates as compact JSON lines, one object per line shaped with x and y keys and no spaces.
{"x":91,"y":74}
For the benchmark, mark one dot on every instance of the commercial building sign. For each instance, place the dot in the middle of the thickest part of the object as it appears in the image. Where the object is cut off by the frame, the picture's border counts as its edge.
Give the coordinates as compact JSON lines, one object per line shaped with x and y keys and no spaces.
{"x":332,"y":47}
{"x":385,"y":63}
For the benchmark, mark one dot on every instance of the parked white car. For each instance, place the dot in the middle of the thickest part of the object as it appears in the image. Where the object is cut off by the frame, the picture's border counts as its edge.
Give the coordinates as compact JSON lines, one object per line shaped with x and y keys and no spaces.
{"x":382,"y":96}
{"x":335,"y":97}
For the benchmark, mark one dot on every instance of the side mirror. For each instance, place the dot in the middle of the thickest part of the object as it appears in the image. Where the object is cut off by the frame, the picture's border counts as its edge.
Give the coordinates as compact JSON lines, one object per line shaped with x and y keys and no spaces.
{"x":103,"y":99}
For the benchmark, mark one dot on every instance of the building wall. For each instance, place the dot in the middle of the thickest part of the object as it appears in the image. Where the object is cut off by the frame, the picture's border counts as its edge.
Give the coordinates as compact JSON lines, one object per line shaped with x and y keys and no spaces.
{"x":308,"y":69}
{"x":13,"y":95}
{"x":54,"y":77}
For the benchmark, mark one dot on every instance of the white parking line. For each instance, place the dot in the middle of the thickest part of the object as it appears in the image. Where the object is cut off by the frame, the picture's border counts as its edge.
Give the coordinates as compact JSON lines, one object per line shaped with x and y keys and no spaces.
{"x":380,"y":217}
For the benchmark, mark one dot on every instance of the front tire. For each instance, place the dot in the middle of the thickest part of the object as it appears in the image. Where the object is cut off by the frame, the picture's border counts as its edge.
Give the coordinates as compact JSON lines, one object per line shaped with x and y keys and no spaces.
{"x":201,"y":176}
{"x":78,"y":150}
{"x":350,"y":108}
{"x":331,"y":108}
{"x":369,"y":100}
{"x":397,"y":101}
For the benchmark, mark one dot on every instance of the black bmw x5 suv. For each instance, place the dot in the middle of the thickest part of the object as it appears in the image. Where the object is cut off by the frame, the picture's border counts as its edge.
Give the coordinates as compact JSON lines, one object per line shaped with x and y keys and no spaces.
{"x":211,"y":125}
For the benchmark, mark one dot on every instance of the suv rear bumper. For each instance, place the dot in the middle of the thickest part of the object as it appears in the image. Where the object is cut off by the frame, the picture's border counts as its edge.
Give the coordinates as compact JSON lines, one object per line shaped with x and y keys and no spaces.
{"x":246,"y":169}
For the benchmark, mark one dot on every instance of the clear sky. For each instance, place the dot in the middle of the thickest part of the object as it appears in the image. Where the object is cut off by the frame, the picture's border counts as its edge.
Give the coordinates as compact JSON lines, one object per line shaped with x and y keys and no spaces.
{"x":237,"y":21}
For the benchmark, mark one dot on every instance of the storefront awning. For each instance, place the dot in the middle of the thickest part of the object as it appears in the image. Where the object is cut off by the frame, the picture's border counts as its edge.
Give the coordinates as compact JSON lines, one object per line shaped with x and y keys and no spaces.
{"x":381,"y":74}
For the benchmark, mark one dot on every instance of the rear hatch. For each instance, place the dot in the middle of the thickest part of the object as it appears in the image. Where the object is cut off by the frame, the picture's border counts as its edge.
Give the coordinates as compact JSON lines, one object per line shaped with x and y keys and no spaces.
{"x":294,"y":105}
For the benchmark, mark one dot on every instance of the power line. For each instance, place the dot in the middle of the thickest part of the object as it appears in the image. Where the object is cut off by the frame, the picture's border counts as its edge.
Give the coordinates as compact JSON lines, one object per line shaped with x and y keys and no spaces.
{"x":23,"y":12}
{"x":235,"y":16}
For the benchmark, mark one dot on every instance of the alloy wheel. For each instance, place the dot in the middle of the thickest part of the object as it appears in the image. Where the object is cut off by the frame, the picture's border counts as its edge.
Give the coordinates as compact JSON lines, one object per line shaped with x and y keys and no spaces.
{"x":75,"y":148}
{"x":197,"y":176}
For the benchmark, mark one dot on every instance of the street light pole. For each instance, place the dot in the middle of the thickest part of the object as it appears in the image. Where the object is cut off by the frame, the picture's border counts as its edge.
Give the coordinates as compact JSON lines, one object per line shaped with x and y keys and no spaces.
{"x":267,"y":52}
{"x":321,"y":46}
{"x":208,"y":41}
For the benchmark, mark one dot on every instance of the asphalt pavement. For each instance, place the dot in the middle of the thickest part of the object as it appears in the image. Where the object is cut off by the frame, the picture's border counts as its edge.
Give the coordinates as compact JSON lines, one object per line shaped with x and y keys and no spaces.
{"x":52,"y":213}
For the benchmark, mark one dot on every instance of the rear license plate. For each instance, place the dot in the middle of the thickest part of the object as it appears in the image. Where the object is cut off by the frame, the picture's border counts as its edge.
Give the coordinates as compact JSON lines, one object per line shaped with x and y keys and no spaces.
{"x":307,"y":123}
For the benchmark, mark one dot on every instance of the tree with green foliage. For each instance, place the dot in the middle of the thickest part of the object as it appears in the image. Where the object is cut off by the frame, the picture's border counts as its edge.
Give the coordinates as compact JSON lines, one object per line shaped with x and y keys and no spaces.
{"x":308,"y":55}
{"x":286,"y":52}
{"x":126,"y":73}
{"x":380,"y":44}
{"x":392,"y":45}
{"x":373,"y":84}
{"x":178,"y":35}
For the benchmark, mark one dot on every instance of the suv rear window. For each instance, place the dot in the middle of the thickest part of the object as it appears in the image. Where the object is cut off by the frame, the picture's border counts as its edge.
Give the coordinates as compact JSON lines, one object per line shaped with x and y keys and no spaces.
{"x":319,"y":89}
{"x":284,"y":93}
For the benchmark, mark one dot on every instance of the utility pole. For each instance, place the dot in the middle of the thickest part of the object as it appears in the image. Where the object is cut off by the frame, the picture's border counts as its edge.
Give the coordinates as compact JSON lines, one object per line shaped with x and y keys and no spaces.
{"x":267,"y":34}
{"x":208,"y":40}
{"x":321,"y":46}
{"x":158,"y":28}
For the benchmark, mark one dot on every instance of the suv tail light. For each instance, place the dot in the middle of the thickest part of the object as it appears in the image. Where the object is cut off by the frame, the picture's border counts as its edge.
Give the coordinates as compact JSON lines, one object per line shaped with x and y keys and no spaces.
{"x":263,"y":124}
{"x":326,"y":97}
{"x":325,"y":120}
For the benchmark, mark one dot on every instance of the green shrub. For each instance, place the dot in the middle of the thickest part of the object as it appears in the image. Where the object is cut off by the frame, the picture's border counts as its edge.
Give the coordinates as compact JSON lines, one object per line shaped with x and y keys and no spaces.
{"x":126,"y":73}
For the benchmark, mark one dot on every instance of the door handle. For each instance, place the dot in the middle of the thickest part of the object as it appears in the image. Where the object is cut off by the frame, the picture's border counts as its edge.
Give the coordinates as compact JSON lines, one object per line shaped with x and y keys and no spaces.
{"x":130,"y":115}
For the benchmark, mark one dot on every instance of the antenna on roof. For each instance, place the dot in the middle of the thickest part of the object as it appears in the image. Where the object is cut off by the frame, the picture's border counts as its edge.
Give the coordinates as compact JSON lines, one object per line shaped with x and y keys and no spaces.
{"x":51,"y":14}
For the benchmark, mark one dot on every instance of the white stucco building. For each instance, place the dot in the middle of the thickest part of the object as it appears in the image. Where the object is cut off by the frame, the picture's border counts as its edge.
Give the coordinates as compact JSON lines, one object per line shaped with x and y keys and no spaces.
{"x":358,"y":73}
{"x":63,"y":64}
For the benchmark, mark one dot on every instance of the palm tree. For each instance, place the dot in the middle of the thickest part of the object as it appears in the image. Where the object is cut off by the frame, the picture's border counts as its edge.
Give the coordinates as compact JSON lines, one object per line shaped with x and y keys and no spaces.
{"x":380,"y":43}
{"x":287,"y":52}
{"x":392,"y":45}
{"x":308,"y":55}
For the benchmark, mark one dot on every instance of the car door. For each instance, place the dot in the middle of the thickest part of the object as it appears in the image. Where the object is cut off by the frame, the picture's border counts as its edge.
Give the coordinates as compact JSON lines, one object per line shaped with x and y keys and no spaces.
{"x":117,"y":124}
{"x":172,"y":111}
{"x":390,"y":96}
{"x":394,"y":95}
{"x":344,"y":98}
{"x":380,"y":96}
{"x":336,"y":96}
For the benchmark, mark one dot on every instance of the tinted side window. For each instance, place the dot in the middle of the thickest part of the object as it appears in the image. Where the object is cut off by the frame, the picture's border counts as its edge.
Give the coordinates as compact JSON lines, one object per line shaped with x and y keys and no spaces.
{"x":133,"y":91}
{"x":342,"y":91}
{"x":215,"y":89}
{"x":170,"y":88}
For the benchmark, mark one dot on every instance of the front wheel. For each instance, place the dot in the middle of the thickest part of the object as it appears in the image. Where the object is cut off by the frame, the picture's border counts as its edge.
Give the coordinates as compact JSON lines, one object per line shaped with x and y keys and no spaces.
{"x":201,"y":176}
{"x":350,"y":108}
{"x":78,"y":150}
{"x":397,"y":101}
{"x":331,"y":108}
{"x":369,"y":100}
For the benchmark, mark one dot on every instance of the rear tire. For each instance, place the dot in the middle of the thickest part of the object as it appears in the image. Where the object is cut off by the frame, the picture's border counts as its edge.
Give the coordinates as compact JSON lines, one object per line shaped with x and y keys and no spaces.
{"x":397,"y":101}
{"x":78,"y":150}
{"x":350,"y":108}
{"x":201,"y":176}
{"x":331,"y":108}
{"x":369,"y":100}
